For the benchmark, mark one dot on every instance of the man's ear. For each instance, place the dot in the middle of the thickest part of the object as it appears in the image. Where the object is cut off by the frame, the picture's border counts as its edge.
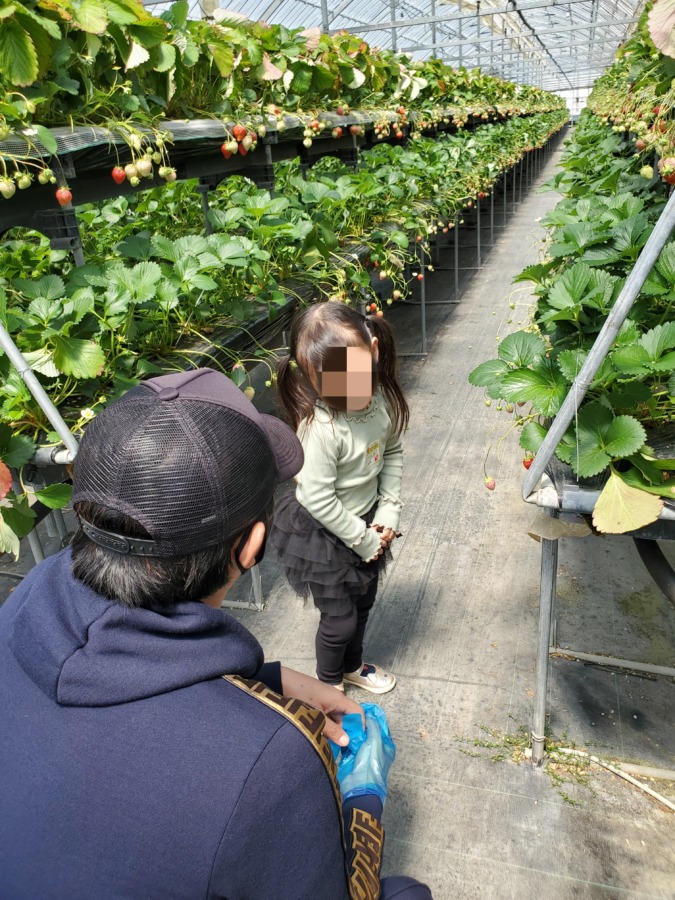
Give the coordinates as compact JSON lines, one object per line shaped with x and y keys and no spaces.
{"x":251,"y":547}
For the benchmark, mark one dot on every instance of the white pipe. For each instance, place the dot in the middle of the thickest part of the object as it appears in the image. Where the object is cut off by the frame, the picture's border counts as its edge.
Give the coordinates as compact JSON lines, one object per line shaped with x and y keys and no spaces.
{"x":624,"y":775}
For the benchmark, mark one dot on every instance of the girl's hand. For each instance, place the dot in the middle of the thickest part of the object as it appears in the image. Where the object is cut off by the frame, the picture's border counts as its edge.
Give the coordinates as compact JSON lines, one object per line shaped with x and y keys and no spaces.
{"x":388,"y":535}
{"x":332,"y":703}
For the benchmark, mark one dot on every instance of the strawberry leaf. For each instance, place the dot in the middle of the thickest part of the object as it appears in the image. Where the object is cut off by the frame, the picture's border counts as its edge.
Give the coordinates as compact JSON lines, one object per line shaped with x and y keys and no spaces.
{"x":91,"y":16}
{"x":624,"y":436}
{"x":661,"y":24}
{"x":621,"y":508}
{"x":18,"y":58}
{"x":77,"y":357}
{"x":532,"y":436}
{"x":20,"y":450}
{"x":544,"y":387}
{"x":489,"y":373}
{"x":522,"y":348}
{"x":570,"y":363}
{"x":9,"y":541}
{"x":55,"y":496}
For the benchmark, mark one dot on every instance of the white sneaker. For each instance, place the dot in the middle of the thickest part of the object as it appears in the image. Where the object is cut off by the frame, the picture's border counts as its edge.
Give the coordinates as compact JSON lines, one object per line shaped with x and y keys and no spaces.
{"x":372,"y":678}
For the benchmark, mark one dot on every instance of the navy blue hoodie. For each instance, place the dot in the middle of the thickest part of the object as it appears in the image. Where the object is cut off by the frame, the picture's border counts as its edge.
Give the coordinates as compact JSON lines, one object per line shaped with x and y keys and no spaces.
{"x":129,"y":768}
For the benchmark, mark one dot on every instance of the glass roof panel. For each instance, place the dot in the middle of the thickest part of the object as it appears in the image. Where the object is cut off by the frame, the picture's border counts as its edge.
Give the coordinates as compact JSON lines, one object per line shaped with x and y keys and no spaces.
{"x":559,"y":44}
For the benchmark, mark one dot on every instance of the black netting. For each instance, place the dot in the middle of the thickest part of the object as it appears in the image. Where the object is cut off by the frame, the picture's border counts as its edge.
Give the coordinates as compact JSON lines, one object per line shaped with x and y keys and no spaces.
{"x":193,"y":474}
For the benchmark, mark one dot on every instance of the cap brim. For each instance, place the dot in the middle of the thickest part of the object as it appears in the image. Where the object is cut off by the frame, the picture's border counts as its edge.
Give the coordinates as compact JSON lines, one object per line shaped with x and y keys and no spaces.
{"x":285,"y":445}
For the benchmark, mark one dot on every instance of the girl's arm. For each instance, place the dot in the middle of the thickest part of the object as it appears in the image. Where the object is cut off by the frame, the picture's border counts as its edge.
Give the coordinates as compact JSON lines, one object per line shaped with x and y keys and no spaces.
{"x":317,"y":491}
{"x":388,"y":510}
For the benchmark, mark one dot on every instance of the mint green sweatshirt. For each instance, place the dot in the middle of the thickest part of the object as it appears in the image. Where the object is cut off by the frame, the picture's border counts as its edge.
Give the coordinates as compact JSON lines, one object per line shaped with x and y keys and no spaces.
{"x":352,"y":461}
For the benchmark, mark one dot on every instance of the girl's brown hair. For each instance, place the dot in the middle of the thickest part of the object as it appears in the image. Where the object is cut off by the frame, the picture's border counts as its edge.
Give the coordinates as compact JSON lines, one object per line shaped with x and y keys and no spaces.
{"x":314,"y":332}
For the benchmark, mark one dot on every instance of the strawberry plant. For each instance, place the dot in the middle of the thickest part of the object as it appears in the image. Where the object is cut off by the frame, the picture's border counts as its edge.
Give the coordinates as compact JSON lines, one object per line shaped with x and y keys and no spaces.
{"x":595,"y":235}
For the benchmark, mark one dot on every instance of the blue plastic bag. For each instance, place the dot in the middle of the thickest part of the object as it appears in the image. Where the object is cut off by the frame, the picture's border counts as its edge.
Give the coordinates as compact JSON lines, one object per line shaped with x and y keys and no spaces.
{"x":363,"y":765}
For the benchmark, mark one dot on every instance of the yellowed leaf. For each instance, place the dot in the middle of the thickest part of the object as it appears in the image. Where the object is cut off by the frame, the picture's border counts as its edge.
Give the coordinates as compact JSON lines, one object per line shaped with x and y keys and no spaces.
{"x":621,"y":508}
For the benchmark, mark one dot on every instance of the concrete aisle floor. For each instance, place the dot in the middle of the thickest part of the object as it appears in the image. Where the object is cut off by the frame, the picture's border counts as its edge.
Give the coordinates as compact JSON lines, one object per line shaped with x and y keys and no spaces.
{"x":456,"y":621}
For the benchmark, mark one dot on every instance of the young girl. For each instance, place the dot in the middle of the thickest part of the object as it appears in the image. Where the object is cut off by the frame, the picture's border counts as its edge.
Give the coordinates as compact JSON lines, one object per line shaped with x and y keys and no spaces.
{"x":340,"y":388}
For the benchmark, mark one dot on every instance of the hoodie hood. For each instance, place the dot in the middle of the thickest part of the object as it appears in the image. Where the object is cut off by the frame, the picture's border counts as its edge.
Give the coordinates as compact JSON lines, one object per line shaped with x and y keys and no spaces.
{"x":84,"y":650}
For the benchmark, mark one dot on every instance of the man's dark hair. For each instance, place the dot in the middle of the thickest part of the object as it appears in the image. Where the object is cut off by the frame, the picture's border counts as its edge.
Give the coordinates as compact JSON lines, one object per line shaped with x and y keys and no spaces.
{"x":143,"y":581}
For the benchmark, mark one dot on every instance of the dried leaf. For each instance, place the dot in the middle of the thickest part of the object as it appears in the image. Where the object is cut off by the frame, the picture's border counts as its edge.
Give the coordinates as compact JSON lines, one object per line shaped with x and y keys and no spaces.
{"x":661,"y":22}
{"x":270,"y":71}
{"x":313,"y":36}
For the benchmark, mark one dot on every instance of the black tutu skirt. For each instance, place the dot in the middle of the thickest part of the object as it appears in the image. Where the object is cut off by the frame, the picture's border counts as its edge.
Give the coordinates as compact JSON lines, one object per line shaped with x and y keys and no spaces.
{"x":317,"y":562}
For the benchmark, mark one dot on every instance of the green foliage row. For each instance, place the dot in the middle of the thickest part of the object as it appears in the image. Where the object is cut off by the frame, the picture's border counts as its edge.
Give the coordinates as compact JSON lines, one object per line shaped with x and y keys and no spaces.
{"x":147,"y":296}
{"x":111,"y":62}
{"x":595,"y":235}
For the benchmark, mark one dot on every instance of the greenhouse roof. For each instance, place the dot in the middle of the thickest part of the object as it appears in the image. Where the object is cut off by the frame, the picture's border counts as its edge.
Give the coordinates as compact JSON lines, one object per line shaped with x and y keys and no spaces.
{"x":557,"y":44}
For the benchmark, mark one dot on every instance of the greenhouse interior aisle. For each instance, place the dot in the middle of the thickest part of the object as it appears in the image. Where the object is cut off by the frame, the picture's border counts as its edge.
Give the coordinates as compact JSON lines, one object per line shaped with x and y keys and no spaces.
{"x":456,"y":622}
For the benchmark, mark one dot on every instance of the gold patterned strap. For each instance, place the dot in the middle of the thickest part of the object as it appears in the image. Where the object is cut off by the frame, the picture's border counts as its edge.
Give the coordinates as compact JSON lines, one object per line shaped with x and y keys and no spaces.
{"x":367,"y":837}
{"x":367,"y":844}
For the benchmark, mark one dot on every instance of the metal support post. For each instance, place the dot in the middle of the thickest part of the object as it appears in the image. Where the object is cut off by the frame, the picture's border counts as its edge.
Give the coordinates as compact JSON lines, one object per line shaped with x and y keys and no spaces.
{"x":30,"y":379}
{"x":325,"y":24}
{"x":492,"y":214}
{"x":478,"y":229}
{"x":513,"y":202}
{"x":35,"y":545}
{"x":505,"y":195}
{"x":60,"y":525}
{"x":520,"y":182}
{"x":203,"y":188}
{"x":456,"y":230}
{"x":257,"y":587}
{"x":547,"y":587}
{"x":392,"y":7}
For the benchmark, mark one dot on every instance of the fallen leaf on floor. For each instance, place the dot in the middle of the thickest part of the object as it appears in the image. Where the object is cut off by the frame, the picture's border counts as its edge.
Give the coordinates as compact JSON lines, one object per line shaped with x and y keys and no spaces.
{"x":424,"y":734}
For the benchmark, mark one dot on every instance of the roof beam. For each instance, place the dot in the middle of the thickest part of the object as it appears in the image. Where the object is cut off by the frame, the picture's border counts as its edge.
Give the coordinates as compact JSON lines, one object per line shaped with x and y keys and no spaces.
{"x":512,"y":37}
{"x":456,"y":17}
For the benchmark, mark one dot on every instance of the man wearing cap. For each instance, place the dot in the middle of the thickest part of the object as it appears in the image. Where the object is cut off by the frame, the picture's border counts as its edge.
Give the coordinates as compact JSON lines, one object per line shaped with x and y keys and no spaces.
{"x":147,"y":749}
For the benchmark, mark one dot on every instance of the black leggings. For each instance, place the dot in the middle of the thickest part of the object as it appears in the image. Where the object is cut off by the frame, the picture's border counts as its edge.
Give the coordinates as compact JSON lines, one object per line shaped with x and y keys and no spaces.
{"x":339,"y":640}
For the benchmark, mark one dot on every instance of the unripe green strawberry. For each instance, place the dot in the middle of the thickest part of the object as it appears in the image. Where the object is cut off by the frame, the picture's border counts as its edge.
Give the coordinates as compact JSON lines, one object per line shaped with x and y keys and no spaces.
{"x":144,"y":167}
{"x":7,"y":188}
{"x":249,"y":392}
{"x":647,"y":172}
{"x":23,"y":181}
{"x":45,"y":176}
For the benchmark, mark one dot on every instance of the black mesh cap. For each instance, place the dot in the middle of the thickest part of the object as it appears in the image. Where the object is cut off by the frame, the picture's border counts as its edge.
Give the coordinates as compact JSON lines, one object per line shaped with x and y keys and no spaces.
{"x":189,"y":457}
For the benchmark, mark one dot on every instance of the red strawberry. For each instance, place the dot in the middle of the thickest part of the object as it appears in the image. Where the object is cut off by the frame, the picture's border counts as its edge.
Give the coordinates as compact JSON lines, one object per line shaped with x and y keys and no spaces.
{"x":226,"y":153}
{"x":340,"y":110}
{"x":337,"y":132}
{"x":380,"y":314}
{"x":118,"y":175}
{"x":373,"y":307}
{"x":420,"y":277}
{"x":401,"y":110}
{"x":242,"y":150}
{"x":527,"y":462}
{"x":355,"y":129}
{"x":490,"y":484}
{"x":239,"y":132}
{"x":657,"y":110}
{"x":399,"y":135}
{"x":63,"y":196}
{"x":640,"y":144}
{"x":5,"y":479}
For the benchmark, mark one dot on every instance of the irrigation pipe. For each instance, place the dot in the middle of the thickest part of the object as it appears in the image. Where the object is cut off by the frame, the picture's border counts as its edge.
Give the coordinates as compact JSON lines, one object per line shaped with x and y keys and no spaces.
{"x":601,"y":762}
